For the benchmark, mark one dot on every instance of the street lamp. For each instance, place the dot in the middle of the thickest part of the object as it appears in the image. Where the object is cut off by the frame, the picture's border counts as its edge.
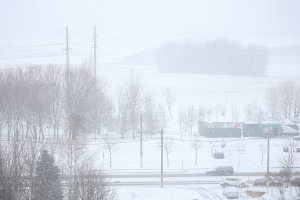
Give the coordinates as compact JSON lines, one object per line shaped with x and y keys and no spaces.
{"x":268,"y":137}
{"x":161,"y":156}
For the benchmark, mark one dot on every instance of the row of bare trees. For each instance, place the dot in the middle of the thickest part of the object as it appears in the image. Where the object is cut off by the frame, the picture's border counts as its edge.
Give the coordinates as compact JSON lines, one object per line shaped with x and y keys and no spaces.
{"x":36,"y":99}
{"x":284,"y":100}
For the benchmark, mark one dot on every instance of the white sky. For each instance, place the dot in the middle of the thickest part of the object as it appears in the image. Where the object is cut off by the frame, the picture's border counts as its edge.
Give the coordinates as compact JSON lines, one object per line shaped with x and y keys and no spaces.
{"x":155,"y":18}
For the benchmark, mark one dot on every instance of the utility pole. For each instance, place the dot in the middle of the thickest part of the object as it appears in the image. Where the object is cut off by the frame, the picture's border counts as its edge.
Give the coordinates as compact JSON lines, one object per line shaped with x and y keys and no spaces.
{"x":162,"y":160}
{"x":141,"y":140}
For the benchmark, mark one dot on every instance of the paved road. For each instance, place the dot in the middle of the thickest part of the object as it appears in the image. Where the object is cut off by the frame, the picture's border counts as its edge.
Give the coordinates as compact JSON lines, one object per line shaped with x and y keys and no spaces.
{"x":170,"y":178}
{"x":149,"y":175}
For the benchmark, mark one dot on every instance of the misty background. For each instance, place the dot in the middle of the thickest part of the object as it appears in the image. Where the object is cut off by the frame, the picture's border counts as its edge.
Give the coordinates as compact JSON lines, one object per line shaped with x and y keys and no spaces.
{"x":252,"y":35}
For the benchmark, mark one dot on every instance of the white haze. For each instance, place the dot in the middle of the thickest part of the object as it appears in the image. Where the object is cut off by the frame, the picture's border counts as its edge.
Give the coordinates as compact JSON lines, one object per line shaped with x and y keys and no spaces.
{"x":126,"y":27}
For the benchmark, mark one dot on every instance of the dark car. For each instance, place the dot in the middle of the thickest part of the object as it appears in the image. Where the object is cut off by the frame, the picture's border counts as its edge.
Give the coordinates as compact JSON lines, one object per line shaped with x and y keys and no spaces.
{"x":220,"y":170}
{"x":297,"y":137}
{"x":263,"y":181}
{"x":295,"y":181}
{"x":285,"y":197}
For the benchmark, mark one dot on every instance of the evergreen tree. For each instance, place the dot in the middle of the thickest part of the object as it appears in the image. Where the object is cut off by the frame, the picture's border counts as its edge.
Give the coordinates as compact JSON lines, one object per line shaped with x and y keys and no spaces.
{"x":47,"y":184}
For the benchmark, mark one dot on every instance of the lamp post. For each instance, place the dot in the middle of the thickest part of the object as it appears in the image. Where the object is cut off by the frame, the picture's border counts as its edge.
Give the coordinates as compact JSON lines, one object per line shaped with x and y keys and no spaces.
{"x":267,"y":137}
{"x":162,"y":159}
{"x":161,"y":155}
{"x":141,"y":141}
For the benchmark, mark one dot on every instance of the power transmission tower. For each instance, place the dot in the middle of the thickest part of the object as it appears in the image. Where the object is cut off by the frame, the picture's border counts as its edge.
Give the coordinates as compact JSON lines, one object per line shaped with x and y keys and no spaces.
{"x":95,"y":76}
{"x":67,"y":49}
{"x":67,"y":74}
{"x":95,"y":50}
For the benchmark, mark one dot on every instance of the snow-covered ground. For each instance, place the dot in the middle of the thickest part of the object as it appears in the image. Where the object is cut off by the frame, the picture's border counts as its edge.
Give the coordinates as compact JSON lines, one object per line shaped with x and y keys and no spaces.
{"x":190,"y":89}
{"x":126,"y":160}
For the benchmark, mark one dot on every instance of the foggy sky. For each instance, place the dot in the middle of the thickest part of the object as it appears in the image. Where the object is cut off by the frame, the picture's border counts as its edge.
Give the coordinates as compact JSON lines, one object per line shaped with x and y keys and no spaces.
{"x":126,"y":27}
{"x":265,"y":18}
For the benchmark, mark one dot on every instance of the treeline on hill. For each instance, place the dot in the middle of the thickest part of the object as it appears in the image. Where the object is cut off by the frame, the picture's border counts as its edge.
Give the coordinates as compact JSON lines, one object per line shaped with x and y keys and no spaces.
{"x":220,"y":56}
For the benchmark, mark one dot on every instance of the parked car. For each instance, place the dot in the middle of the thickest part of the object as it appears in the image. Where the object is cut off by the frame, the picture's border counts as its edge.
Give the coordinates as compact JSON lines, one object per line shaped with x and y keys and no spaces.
{"x":286,"y":197}
{"x":220,"y":170}
{"x":295,"y":181}
{"x":231,"y":192}
{"x":217,"y":151}
{"x":233,"y":181}
{"x":297,"y":137}
{"x":263,"y":181}
{"x":266,"y":198}
{"x":288,"y":131}
{"x":241,"y":149}
{"x":296,"y":120}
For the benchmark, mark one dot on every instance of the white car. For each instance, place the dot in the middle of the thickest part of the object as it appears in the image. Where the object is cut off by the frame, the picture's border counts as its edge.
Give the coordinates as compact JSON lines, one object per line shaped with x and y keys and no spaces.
{"x":231,"y":192}
{"x":297,"y":137}
{"x":266,"y":198}
{"x":233,"y":181}
{"x":286,"y":197}
{"x":288,"y":131}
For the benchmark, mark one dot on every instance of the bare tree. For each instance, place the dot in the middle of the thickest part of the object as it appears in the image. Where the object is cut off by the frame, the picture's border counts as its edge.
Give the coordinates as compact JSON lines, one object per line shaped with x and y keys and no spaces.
{"x":235,"y":112}
{"x":254,"y":112}
{"x":297,"y":102}
{"x":272,"y":100}
{"x":181,"y":120}
{"x":150,"y":122}
{"x":223,"y":109}
{"x":168,"y":146}
{"x":287,"y":165}
{"x":192,"y":118}
{"x":202,"y":112}
{"x":161,"y":116}
{"x":286,"y":91}
{"x":133,"y":93}
{"x":93,"y":184}
{"x":261,"y":114}
{"x":248,"y":111}
{"x":209,"y":112}
{"x":217,"y":111}
{"x":170,"y":98}
{"x":110,"y":143}
{"x":196,"y":144}
{"x":292,"y":155}
{"x":263,"y":148}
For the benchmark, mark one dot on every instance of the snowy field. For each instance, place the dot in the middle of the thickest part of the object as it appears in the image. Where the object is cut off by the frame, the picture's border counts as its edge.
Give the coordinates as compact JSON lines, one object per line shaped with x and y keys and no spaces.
{"x":126,"y":160}
{"x":193,"y":89}
{"x":190,"y":89}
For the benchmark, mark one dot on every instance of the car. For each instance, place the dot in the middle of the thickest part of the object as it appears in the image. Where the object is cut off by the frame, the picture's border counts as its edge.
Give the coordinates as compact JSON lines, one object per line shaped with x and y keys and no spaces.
{"x":266,"y":198}
{"x":286,"y":197}
{"x":220,"y":170}
{"x":217,"y":151}
{"x":288,"y":131}
{"x":241,"y":149}
{"x":233,"y":181}
{"x":295,"y":181}
{"x":263,"y":181}
{"x":297,"y":137}
{"x":231,"y":192}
